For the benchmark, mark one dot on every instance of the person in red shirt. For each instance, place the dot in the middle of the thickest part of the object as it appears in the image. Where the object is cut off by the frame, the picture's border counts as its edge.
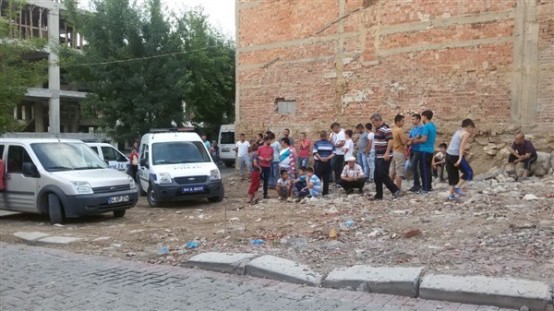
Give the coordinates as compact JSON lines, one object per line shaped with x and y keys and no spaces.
{"x":265,"y":157}
{"x":134,"y":159}
{"x":304,"y":154}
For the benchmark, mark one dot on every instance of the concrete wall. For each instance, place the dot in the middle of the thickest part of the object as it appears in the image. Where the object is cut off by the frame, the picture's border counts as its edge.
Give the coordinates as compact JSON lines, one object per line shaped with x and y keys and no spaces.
{"x":343,"y":60}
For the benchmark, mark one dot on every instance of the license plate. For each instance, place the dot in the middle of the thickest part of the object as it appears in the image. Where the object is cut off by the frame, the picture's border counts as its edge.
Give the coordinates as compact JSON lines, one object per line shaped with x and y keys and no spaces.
{"x":225,"y":149}
{"x":118,"y":199}
{"x":193,"y":189}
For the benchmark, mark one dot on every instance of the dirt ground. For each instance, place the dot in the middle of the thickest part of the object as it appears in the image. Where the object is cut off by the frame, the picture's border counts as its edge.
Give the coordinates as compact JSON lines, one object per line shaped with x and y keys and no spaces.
{"x":503,"y":228}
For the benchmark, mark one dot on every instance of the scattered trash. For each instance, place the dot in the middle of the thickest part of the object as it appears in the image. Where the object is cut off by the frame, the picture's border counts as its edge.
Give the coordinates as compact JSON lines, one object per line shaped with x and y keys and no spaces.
{"x":349,"y":223}
{"x":412,"y":233}
{"x":191,"y":245}
{"x":530,"y":197}
{"x":333,"y":234}
{"x":376,"y":233}
{"x":257,"y":242}
{"x":163,"y":250}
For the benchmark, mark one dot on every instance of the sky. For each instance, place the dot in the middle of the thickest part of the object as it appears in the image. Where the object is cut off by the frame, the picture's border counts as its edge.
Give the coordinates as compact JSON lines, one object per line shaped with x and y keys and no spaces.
{"x":221,"y":13}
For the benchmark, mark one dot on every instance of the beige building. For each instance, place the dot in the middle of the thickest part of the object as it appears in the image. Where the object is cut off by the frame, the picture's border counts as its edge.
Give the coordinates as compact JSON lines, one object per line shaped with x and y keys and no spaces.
{"x":54,"y":106}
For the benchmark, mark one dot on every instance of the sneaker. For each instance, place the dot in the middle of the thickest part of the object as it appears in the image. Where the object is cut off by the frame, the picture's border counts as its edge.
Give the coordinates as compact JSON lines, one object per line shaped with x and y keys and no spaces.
{"x":396,"y":194}
{"x":266,"y":196}
{"x":337,"y":186}
{"x":414,"y":189}
{"x":349,"y":191}
{"x":423,"y":192}
{"x":298,"y":200}
{"x":459,"y":191}
{"x":375,"y":198}
{"x":454,"y":198}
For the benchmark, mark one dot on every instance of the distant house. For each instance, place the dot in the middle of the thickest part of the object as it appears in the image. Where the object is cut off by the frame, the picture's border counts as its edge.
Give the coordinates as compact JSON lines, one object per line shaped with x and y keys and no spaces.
{"x":55,"y":106}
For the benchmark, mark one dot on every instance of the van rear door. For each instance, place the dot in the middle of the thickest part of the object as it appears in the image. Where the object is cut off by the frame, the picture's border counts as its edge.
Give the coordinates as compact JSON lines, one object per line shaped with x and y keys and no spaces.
{"x":226,"y":143}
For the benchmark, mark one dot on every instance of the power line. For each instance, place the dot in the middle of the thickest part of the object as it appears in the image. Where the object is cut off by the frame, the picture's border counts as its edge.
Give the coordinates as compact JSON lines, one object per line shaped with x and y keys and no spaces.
{"x":138,"y":58}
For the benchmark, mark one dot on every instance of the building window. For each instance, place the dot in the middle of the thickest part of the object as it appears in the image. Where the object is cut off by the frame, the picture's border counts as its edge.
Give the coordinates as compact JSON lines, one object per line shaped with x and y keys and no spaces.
{"x":286,"y":106}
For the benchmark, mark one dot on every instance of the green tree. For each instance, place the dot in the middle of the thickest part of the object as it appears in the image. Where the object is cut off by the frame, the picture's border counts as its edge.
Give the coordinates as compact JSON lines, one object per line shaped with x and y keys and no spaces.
{"x":140,"y":66}
{"x":17,"y":69}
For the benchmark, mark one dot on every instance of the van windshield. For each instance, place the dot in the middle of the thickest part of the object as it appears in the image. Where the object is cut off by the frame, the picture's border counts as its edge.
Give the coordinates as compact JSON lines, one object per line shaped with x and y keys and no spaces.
{"x":60,"y":156}
{"x":227,"y":138}
{"x":179,"y":152}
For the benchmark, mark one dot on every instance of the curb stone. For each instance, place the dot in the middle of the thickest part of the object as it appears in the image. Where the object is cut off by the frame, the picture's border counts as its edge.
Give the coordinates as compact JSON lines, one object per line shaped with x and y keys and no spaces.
{"x":501,"y":292}
{"x":31,"y":236}
{"x":281,"y":269}
{"x":222,"y":262}
{"x":402,"y":281}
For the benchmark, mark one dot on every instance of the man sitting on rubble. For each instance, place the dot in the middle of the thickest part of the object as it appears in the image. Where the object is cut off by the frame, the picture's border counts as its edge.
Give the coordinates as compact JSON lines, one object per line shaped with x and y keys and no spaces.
{"x":522,"y":151}
{"x":352,"y":176}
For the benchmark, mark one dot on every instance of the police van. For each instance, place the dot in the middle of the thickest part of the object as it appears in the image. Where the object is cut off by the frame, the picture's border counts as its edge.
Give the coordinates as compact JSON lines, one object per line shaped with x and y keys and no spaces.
{"x":62,"y":178}
{"x":177,"y":166}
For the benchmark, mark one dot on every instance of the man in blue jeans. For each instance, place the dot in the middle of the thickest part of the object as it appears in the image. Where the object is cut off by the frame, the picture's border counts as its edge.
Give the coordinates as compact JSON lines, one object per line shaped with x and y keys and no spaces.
{"x":275,"y":173}
{"x":415,"y":155}
{"x":427,"y":148}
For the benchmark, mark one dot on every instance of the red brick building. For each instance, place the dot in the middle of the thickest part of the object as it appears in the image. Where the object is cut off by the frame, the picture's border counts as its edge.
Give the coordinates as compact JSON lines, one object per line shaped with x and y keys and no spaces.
{"x":305,"y":63}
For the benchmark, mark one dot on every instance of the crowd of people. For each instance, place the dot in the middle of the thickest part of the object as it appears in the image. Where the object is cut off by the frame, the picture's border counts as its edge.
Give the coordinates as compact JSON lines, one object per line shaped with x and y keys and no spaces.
{"x":376,"y":154}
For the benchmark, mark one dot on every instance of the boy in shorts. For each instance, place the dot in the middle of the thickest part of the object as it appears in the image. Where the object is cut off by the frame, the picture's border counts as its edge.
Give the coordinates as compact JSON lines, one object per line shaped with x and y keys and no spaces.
{"x":284,"y":186}
{"x":254,"y":176}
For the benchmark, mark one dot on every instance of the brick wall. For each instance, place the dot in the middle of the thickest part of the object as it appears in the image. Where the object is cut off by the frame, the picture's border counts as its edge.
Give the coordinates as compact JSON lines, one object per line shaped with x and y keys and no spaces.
{"x":347,"y":59}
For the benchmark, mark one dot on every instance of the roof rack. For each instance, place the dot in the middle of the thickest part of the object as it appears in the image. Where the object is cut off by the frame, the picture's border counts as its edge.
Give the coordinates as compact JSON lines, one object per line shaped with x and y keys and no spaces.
{"x":172,"y":130}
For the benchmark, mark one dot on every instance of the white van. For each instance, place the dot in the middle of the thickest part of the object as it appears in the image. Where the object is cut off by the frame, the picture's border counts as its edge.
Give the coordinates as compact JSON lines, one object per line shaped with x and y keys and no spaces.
{"x":61,"y":178}
{"x":113,"y":157}
{"x":176,"y":166}
{"x":226,"y":142}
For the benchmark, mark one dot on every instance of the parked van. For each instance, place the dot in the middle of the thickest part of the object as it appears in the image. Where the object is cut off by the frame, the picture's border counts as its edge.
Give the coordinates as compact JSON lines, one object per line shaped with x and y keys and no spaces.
{"x":61,"y":178}
{"x":113,"y":157}
{"x":177,"y":166}
{"x":226,"y":142}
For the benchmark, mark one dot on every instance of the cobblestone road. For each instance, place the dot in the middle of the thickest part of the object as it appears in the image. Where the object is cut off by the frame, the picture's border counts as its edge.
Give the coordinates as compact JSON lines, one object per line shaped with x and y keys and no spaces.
{"x":37,"y":278}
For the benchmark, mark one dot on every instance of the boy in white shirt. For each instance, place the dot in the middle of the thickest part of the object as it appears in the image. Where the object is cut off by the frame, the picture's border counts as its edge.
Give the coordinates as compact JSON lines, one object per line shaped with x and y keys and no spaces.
{"x":241,"y":148}
{"x":284,"y":186}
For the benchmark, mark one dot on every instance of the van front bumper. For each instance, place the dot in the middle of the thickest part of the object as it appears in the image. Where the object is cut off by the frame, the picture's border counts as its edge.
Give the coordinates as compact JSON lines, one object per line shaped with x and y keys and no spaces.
{"x":174,"y":192}
{"x":91,"y":204}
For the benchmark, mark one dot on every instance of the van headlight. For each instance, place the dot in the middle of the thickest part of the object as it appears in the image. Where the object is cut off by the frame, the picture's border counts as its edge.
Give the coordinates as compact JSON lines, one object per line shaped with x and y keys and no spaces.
{"x":214,"y":174}
{"x":132,"y":183}
{"x":165,"y":178}
{"x":82,"y":187}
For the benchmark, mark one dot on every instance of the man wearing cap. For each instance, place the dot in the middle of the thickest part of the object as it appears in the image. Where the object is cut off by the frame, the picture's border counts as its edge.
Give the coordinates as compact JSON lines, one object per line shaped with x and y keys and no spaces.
{"x":352,"y":176}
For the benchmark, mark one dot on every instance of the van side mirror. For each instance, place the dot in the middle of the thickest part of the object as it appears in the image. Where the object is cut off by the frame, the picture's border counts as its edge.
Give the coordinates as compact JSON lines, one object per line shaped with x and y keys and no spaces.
{"x":144,"y":162}
{"x":30,"y":170}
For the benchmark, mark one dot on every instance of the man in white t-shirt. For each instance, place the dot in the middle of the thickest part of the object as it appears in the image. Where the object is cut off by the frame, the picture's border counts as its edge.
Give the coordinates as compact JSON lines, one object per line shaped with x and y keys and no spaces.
{"x":338,"y":140}
{"x":241,"y":148}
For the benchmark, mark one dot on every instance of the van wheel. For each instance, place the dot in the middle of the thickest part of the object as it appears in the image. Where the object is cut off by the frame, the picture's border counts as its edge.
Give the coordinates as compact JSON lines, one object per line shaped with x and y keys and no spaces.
{"x":119,"y":213}
{"x":151,"y":196}
{"x":55,"y":209}
{"x":218,"y":198}
{"x":229,"y":163}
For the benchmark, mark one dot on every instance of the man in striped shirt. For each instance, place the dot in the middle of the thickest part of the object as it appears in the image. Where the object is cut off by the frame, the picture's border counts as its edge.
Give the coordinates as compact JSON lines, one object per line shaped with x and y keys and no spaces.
{"x":383,"y":153}
{"x":324,"y":151}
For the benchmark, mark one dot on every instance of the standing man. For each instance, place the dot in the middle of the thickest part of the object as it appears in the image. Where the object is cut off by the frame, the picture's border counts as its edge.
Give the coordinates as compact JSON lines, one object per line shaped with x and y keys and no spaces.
{"x":427,"y":148}
{"x":134,"y":159}
{"x":265,"y":157}
{"x":206,"y":142}
{"x":304,"y":154}
{"x":287,"y":158}
{"x":286,"y":134}
{"x":241,"y":148}
{"x":399,"y":141}
{"x":339,"y":138}
{"x":523,"y":151}
{"x":415,"y":155}
{"x":275,"y":173}
{"x":352,"y":176}
{"x":324,"y":151}
{"x":383,"y":149}
{"x":362,"y":154}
